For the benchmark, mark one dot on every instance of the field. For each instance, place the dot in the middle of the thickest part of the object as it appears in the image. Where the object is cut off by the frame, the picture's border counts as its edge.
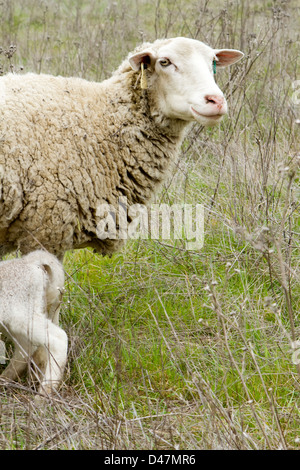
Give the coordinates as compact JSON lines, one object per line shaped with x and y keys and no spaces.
{"x":172,"y":348}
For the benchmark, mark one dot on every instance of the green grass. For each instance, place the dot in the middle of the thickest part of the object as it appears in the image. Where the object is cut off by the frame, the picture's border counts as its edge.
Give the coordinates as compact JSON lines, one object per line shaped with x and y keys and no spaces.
{"x":160,"y":331}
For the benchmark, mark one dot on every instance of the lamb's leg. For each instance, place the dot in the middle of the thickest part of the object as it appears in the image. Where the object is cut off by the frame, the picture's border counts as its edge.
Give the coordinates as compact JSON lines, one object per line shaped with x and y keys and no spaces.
{"x":40,"y":356}
{"x":16,"y":366}
{"x":55,"y":342}
{"x":40,"y":359}
{"x":53,"y":311}
{"x":48,"y":343}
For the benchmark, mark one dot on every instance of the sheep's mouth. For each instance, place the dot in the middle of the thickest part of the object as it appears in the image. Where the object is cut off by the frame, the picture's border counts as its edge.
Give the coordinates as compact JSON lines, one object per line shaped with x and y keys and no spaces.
{"x":210,"y":117}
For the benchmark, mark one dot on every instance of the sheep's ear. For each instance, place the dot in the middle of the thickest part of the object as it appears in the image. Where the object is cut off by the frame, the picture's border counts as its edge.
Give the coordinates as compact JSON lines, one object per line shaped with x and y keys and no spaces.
{"x":146,"y":57}
{"x":226,"y":57}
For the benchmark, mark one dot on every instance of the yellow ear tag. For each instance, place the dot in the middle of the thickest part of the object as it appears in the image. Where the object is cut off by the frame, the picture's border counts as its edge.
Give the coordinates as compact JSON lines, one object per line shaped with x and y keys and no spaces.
{"x":144,"y":84}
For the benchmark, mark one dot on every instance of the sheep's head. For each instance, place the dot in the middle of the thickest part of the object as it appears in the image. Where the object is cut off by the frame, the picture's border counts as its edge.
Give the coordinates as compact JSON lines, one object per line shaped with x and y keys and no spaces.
{"x":181,"y":78}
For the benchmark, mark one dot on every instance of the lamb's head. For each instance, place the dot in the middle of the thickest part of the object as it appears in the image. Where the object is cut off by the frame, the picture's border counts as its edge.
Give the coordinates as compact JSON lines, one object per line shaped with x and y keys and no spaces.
{"x":180,"y":74}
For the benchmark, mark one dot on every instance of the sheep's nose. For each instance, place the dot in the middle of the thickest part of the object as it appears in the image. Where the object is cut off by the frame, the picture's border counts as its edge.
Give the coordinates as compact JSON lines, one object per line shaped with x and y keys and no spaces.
{"x":217,"y":102}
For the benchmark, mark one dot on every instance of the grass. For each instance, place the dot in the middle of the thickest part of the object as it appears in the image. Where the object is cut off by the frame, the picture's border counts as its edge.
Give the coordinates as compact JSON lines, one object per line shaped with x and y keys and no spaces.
{"x":169,"y":348}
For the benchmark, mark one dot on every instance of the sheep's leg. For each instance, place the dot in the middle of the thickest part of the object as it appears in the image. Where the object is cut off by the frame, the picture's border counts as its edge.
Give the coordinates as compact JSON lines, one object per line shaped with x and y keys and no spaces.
{"x":16,"y":366}
{"x":47,"y":344}
{"x":55,"y":343}
{"x":40,"y":356}
{"x":40,"y":359}
{"x":53,"y":311}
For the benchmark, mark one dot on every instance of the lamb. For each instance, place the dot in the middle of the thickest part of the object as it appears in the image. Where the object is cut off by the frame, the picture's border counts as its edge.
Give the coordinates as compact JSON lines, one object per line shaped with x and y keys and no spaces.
{"x":30,"y":295}
{"x":68,"y":146}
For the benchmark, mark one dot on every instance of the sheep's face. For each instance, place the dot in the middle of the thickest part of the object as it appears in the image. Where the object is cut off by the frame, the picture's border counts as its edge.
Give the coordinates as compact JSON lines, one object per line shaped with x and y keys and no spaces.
{"x":181,"y":78}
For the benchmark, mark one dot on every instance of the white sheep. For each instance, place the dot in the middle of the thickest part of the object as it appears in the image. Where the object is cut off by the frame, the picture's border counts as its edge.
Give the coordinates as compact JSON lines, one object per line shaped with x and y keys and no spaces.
{"x":30,"y":295}
{"x":67,"y":145}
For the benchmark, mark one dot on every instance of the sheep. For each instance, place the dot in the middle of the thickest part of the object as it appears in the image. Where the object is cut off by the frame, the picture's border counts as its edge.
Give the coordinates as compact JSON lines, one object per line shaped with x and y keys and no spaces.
{"x":30,"y":295}
{"x":68,"y":146}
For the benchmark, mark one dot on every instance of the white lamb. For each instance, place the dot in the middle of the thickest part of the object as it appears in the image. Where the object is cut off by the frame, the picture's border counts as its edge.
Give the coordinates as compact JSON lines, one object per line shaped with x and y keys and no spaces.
{"x":68,"y":146}
{"x":30,"y":295}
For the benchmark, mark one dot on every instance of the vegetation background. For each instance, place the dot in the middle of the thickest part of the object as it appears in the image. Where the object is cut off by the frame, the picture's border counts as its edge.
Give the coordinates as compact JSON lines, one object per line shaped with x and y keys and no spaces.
{"x":168,"y":348}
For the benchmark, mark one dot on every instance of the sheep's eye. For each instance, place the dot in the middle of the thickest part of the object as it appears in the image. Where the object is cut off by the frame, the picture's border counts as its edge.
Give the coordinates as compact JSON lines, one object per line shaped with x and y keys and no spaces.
{"x":164,"y":62}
